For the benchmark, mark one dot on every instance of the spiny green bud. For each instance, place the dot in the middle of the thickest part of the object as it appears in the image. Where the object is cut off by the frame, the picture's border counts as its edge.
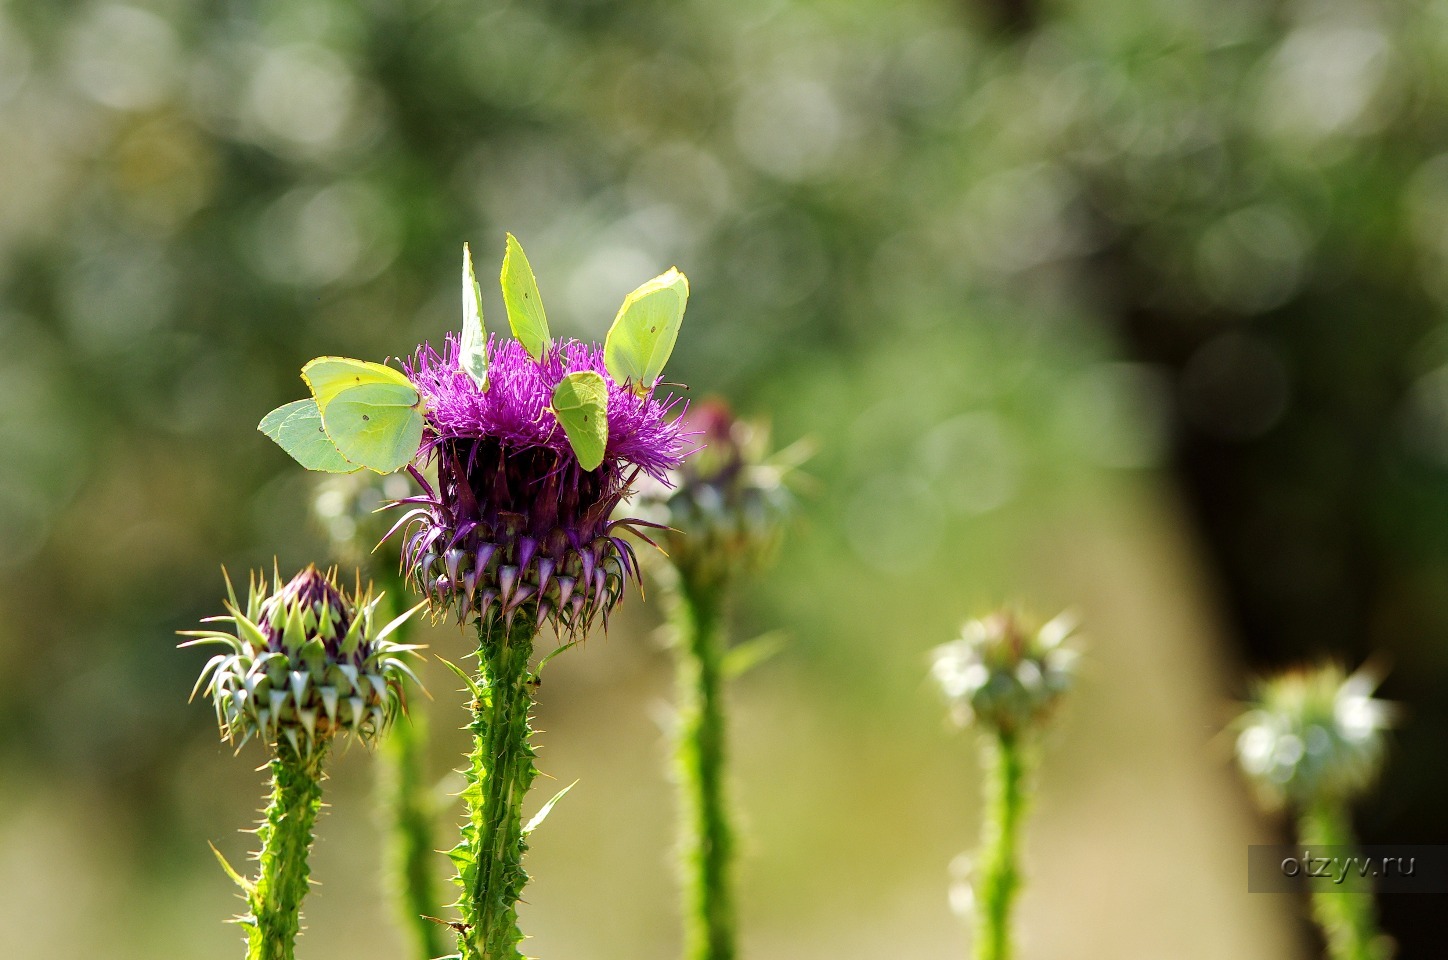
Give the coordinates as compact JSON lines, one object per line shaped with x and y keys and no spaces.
{"x":304,"y":662}
{"x":727,"y":503}
{"x":1311,"y":735}
{"x":1004,"y":676}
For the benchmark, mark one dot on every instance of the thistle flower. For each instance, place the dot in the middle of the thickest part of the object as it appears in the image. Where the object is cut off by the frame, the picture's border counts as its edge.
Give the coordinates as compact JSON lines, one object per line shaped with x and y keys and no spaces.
{"x":516,"y":525}
{"x":304,"y":665}
{"x":1005,"y":679}
{"x":1312,"y":740}
{"x":1002,"y":675}
{"x":305,"y":662}
{"x":1313,"y":734}
{"x":535,"y":441}
{"x":724,"y":508}
{"x":720,"y":515}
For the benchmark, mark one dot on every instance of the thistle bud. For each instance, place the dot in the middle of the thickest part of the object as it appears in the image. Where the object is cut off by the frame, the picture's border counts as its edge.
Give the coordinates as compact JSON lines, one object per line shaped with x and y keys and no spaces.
{"x":305,"y":662}
{"x":1313,"y":735}
{"x":1003,"y":675}
{"x":725,"y":506}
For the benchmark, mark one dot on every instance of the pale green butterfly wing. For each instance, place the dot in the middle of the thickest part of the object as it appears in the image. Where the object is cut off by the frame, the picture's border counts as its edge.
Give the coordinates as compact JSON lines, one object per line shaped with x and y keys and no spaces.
{"x":643,"y":333}
{"x":297,"y":428}
{"x":473,"y":348}
{"x":580,"y":402}
{"x":371,"y":412}
{"x":377,"y":425}
{"x":329,"y":376}
{"x":525,"y":306}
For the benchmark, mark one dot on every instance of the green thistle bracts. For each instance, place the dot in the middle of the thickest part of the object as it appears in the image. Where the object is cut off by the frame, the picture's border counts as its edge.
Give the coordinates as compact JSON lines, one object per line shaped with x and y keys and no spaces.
{"x":728,"y":503}
{"x":1002,"y":675}
{"x":304,"y":663}
{"x":1312,"y":735}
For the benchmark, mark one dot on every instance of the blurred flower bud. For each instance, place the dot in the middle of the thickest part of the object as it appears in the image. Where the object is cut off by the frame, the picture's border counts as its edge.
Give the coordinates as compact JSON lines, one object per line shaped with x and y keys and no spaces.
{"x":1312,"y":735}
{"x":1004,"y":676}
{"x":726,"y":506}
{"x":304,"y":663}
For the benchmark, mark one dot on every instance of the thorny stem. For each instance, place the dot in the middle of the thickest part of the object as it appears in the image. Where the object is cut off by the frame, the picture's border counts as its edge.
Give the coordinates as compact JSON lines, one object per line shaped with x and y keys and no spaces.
{"x":1346,"y":917}
{"x":500,"y":771}
{"x":407,"y":802}
{"x":286,"y":839}
{"x":706,"y":840}
{"x":999,"y":878}
{"x":408,"y":808}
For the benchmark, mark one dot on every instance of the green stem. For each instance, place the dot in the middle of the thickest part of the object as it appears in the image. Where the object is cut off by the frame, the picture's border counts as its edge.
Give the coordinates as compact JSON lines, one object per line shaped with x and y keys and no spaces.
{"x":407,"y":803}
{"x":500,"y":771}
{"x":286,"y":839}
{"x":407,"y":800}
{"x":999,"y":878}
{"x":707,"y":838}
{"x":1346,"y":917}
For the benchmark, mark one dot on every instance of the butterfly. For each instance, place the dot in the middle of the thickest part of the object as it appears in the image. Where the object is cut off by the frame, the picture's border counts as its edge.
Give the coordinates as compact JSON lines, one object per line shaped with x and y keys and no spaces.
{"x":360,"y":415}
{"x":368,"y":415}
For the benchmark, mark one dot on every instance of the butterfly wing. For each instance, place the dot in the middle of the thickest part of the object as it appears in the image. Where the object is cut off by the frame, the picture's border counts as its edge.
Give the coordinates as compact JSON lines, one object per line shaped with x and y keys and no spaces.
{"x":376,"y":425}
{"x":525,"y":306}
{"x":473,"y":347}
{"x":297,"y":428}
{"x":644,"y":331}
{"x":328,"y":376}
{"x":580,"y":402}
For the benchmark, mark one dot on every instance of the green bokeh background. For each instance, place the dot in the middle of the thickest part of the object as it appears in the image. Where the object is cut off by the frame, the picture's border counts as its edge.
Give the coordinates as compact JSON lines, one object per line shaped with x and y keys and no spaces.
{"x":1133,"y":307}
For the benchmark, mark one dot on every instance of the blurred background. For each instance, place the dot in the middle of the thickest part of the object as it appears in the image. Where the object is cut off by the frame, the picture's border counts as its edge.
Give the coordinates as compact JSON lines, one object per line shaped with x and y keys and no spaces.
{"x":1133,"y":306}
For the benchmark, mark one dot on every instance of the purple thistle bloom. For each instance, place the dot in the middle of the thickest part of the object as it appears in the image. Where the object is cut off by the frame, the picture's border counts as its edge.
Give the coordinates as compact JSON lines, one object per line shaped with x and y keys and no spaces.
{"x":642,"y":431}
{"x":516,"y":522}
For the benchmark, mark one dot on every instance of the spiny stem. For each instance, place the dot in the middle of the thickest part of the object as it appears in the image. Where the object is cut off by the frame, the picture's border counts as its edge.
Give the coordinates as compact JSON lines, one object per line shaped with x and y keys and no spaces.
{"x":1346,"y":917}
{"x":500,"y":771}
{"x":707,"y":840}
{"x":999,"y":878}
{"x":407,"y":802}
{"x":286,"y":839}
